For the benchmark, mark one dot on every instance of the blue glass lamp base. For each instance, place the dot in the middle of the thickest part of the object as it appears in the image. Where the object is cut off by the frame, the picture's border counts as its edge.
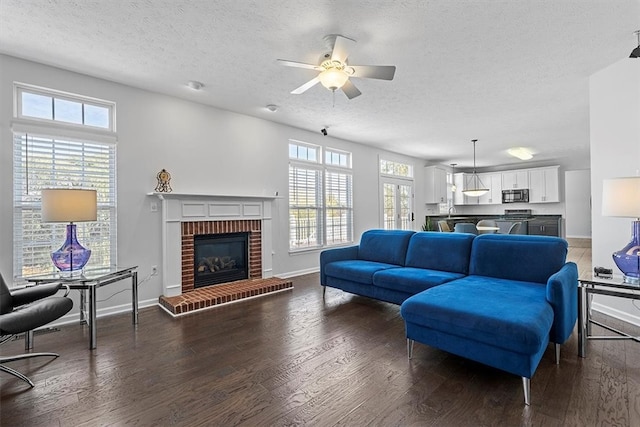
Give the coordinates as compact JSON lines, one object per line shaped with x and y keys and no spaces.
{"x":628,"y":258}
{"x":72,"y":255}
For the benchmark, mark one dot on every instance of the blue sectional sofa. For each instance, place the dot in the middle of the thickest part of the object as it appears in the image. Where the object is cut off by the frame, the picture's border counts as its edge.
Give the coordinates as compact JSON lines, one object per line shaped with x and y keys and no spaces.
{"x":495,"y":299}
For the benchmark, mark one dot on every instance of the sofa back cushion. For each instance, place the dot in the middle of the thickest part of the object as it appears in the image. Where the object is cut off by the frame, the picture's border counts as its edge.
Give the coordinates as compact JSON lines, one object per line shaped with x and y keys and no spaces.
{"x":387,"y":246}
{"x":517,"y":257}
{"x":440,"y":251}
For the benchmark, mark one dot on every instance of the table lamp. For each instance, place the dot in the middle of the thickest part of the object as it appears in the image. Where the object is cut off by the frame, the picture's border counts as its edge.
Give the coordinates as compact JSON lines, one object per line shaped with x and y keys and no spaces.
{"x":69,"y":205}
{"x":621,"y":198}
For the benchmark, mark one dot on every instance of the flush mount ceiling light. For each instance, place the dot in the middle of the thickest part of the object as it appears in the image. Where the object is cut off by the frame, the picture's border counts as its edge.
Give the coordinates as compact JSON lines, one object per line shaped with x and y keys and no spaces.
{"x":521,"y":153}
{"x":476,"y":187}
{"x":635,"y":53}
{"x":192,"y":84}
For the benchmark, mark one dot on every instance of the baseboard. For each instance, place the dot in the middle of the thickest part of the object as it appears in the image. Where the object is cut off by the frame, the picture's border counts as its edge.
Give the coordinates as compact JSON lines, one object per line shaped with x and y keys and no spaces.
{"x":123,"y":308}
{"x":298,"y":273}
{"x":616,"y":314}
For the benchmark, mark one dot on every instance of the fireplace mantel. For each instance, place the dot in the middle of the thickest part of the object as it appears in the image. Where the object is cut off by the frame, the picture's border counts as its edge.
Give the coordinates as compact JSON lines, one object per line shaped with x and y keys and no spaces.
{"x":178,"y":208}
{"x":163,"y":196}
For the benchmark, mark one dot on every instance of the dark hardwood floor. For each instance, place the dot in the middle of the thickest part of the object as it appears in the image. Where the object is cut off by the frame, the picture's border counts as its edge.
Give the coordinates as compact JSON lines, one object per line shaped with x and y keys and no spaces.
{"x":292,"y":359}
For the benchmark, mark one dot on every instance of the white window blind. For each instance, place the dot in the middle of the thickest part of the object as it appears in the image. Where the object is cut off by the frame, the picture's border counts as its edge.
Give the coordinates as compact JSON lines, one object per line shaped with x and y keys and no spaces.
{"x":320,"y":197}
{"x":305,"y":207}
{"x":50,"y":162}
{"x":338,"y":207}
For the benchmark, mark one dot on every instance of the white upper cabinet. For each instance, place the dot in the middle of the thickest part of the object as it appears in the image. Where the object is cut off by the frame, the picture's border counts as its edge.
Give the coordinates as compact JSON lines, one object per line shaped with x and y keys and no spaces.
{"x":543,"y":185}
{"x":516,"y":179}
{"x":461,"y":181}
{"x":493,"y":181}
{"x":436,"y":185}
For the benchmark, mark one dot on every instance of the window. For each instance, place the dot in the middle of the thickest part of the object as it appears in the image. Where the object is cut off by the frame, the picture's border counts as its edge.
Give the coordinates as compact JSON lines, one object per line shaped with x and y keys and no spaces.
{"x":320,"y":197}
{"x":391,"y":168}
{"x":49,"y":157}
{"x":44,"y":104}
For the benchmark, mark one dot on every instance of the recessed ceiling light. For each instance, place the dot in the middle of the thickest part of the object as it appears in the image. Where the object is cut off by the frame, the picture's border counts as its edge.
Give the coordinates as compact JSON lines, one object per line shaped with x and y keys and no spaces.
{"x":521,"y":153}
{"x":272,"y":107}
{"x":195,"y":85}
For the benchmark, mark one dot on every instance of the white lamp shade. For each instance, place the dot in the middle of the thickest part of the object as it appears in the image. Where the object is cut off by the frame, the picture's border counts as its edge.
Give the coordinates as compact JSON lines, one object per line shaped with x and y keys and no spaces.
{"x":69,"y":205}
{"x":621,"y":197}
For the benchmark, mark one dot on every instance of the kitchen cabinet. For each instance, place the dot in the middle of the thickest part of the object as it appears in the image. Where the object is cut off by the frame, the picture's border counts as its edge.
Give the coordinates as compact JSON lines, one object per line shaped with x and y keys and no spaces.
{"x":543,"y":185}
{"x":545,"y":226}
{"x":515,"y":179}
{"x":436,"y":185}
{"x":493,"y":181}
{"x":462,"y":181}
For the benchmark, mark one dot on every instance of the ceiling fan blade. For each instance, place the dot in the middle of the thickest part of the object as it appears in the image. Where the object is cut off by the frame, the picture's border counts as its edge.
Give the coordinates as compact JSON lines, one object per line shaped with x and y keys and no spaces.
{"x":288,"y":63}
{"x":382,"y":72}
{"x":350,"y":90}
{"x":306,"y":86}
{"x":341,"y":48}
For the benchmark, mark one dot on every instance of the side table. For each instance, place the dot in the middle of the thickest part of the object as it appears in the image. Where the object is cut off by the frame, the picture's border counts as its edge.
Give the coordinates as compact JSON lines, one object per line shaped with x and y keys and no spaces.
{"x":91,"y":280}
{"x":592,"y":285}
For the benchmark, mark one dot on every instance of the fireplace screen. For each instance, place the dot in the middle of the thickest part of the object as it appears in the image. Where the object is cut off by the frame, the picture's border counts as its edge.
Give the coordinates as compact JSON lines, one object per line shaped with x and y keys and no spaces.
{"x":220,"y":258}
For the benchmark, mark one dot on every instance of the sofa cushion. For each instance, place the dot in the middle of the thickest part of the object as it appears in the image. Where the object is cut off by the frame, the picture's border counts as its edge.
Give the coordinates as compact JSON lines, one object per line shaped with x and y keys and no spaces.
{"x":504,"y":313}
{"x":386,"y":246}
{"x":355,"y":270}
{"x":412,"y":280}
{"x":517,"y":257}
{"x":440,"y":251}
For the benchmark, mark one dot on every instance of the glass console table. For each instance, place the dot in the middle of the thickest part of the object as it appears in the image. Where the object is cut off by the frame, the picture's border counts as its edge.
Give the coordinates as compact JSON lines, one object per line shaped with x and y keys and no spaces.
{"x":591,"y":285}
{"x":91,"y":280}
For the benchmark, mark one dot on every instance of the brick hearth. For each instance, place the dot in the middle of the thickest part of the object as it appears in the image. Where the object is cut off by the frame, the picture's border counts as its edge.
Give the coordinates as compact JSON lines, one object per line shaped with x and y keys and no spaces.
{"x":211,"y":296}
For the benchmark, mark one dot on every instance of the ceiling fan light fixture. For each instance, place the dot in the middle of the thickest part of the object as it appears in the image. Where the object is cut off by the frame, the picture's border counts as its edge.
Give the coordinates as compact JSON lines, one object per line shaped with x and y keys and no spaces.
{"x":476,"y":187}
{"x":333,"y":78}
{"x":521,"y":153}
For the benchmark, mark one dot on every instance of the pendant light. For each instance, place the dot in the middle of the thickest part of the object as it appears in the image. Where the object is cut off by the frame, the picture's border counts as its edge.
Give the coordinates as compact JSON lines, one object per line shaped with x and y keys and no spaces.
{"x":454,"y":187}
{"x":476,"y":187}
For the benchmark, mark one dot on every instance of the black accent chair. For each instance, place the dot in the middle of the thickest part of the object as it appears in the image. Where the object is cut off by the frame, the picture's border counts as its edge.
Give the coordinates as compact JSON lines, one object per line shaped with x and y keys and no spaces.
{"x":22,"y":311}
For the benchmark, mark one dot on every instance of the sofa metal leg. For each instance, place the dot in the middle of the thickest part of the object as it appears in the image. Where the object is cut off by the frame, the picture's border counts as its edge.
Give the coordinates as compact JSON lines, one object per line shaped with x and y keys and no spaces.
{"x":410,"y":348}
{"x":557,"y":348}
{"x":324,"y":290}
{"x":526,"y":384}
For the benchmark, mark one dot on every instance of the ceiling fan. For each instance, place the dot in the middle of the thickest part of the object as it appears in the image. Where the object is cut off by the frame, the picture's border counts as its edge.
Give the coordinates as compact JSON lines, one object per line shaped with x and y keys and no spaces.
{"x":334,"y":71}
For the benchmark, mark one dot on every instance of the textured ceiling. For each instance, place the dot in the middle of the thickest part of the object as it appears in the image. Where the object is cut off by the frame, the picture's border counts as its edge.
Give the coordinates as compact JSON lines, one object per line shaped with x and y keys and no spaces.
{"x":509,"y":73}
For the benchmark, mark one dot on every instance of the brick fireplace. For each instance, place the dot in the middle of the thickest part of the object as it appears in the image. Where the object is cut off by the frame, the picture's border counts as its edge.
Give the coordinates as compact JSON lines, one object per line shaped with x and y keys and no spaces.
{"x":190,"y":229}
{"x":187,"y":215}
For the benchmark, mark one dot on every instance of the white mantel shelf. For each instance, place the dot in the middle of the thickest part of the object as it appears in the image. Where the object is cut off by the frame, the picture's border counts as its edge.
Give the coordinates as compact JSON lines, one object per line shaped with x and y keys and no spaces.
{"x":173,"y":195}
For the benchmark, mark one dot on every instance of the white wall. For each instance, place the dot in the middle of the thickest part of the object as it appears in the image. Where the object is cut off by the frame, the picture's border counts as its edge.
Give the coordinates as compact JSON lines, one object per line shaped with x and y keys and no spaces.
{"x":577,"y":186}
{"x":205,"y":149}
{"x":615,"y":152}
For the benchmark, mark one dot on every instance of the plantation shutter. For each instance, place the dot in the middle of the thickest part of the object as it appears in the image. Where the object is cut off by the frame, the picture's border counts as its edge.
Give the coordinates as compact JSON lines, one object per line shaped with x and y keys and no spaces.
{"x":338,"y":207}
{"x":305,"y":207}
{"x":50,"y":162}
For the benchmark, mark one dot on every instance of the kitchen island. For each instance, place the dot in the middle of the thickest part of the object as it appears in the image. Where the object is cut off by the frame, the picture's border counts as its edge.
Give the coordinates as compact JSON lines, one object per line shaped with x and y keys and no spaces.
{"x":533,"y":224}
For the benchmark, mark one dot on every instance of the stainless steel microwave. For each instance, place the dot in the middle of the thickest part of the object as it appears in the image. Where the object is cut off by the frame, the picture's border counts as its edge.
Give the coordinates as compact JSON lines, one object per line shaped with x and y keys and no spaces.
{"x":515,"y":196}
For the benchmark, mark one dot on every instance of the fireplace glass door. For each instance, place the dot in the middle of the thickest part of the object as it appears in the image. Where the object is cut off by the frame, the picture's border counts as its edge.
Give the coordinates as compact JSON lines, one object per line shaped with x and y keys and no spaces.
{"x":220,"y":258}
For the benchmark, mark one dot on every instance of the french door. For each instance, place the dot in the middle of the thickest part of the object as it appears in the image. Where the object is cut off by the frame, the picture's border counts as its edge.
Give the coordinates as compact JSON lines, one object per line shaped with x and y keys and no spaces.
{"x":397,"y":204}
